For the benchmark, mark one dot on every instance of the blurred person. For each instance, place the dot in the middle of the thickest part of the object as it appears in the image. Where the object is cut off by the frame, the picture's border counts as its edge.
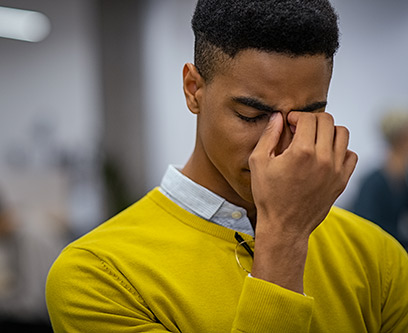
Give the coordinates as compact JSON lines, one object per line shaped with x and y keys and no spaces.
{"x":383,"y":195}
{"x":244,"y":237}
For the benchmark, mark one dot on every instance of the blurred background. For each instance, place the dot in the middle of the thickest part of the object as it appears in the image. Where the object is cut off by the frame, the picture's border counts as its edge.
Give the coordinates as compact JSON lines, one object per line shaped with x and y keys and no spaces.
{"x":92,"y":112}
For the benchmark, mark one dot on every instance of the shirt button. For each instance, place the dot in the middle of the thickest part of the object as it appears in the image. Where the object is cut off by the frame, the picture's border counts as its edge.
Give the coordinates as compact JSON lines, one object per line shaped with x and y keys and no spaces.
{"x":236,"y":215}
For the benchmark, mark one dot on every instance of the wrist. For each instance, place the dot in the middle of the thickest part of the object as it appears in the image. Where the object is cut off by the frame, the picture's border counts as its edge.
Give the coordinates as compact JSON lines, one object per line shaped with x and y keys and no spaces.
{"x":278,"y":230}
{"x":280,"y":258}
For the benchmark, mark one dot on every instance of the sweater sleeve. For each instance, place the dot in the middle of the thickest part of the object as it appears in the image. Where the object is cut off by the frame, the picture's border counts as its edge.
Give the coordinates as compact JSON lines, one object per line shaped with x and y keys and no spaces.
{"x":263,"y":305}
{"x":84,"y":294}
{"x":395,"y":291}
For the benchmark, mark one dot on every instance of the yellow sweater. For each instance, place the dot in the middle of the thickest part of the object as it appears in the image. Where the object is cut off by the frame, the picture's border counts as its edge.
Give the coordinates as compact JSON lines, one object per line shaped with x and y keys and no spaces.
{"x":156,"y":267}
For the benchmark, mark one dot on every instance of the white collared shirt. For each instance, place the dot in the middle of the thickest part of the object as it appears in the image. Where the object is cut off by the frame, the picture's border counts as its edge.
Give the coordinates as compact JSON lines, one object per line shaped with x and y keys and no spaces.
{"x":200,"y":201}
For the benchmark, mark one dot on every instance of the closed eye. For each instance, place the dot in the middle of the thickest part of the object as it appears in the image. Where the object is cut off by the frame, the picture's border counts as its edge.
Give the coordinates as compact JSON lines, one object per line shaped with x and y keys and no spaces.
{"x":252,"y":119}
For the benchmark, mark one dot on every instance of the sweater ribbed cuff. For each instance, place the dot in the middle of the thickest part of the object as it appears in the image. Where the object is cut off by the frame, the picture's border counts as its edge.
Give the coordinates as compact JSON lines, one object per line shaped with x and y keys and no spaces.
{"x":264,"y":306}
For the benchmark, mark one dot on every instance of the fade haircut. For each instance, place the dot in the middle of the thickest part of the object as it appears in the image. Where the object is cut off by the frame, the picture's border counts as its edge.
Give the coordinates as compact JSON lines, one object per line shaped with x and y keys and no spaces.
{"x":223,"y":28}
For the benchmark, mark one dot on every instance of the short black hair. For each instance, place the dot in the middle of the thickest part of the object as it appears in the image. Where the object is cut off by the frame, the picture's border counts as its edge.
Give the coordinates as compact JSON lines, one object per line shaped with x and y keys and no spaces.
{"x":223,"y":28}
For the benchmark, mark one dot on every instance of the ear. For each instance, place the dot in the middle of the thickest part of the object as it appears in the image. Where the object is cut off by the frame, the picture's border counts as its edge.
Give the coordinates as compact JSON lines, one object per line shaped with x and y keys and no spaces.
{"x":193,"y":83}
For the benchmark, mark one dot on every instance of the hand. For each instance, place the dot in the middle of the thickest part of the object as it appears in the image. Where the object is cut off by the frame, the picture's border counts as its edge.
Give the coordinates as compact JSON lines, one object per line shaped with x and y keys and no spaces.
{"x":296,"y":189}
{"x":293,"y":191}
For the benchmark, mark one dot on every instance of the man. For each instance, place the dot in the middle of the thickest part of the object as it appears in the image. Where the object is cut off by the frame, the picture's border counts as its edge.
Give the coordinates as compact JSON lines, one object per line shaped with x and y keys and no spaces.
{"x":269,"y":163}
{"x":383,"y":194}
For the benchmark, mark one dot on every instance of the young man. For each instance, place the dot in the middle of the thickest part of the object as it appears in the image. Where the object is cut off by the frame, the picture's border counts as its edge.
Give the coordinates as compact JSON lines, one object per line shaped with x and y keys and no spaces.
{"x":268,"y":165}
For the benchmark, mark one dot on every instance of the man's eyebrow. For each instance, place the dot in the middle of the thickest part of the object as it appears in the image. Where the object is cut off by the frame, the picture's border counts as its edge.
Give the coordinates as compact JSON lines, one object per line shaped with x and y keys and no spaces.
{"x":257,"y":104}
{"x":254,"y":103}
{"x":312,"y":107}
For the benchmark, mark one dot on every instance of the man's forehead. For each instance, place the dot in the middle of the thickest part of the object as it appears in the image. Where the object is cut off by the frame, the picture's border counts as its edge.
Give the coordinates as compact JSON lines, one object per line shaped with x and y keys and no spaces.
{"x":255,"y":65}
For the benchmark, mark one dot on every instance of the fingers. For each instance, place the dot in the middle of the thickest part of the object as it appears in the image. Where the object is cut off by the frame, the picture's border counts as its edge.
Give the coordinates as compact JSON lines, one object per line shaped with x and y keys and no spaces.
{"x":329,"y":141}
{"x":325,"y":134}
{"x":344,"y":158}
{"x":315,"y":133}
{"x":350,"y":163}
{"x":271,"y":135}
{"x":305,"y":124}
{"x":340,"y":144}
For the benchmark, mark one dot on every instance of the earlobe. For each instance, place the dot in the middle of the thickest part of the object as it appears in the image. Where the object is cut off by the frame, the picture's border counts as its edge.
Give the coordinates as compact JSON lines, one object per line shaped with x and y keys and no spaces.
{"x":192,"y":84}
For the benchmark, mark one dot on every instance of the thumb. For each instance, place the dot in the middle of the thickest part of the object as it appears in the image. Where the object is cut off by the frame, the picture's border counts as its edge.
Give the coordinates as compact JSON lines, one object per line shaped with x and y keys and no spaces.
{"x":270,"y":136}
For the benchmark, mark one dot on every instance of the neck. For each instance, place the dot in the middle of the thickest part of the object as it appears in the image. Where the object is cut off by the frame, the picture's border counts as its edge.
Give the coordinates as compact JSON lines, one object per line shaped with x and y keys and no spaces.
{"x":209,"y":177}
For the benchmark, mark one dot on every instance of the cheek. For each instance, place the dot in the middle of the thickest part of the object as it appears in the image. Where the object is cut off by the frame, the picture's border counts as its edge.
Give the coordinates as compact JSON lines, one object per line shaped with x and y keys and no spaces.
{"x":236,"y":145}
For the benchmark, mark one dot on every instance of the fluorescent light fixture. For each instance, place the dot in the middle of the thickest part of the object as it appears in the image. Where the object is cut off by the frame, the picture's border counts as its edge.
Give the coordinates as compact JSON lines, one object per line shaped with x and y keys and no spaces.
{"x":23,"y":25}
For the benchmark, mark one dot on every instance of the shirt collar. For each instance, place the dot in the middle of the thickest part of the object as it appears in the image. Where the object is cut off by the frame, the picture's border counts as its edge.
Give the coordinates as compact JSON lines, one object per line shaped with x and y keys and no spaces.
{"x":202,"y":202}
{"x":190,"y":195}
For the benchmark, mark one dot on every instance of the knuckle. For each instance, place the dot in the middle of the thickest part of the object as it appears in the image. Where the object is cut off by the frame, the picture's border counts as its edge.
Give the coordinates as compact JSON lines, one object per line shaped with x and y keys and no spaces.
{"x":309,"y":115}
{"x":354,"y":157}
{"x":304,"y":152}
{"x":326,"y":116}
{"x":254,"y":158}
{"x":341,"y":130}
{"x":338,"y":173}
{"x":325,"y":163}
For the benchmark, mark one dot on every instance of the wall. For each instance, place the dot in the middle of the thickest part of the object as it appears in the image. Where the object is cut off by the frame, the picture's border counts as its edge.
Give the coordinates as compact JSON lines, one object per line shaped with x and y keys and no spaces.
{"x":169,"y":126}
{"x":51,"y":102}
{"x":50,"y":133}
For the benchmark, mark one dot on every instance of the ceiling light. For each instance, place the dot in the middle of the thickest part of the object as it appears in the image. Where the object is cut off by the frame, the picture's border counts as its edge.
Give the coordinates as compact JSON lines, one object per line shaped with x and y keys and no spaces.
{"x":23,"y":25}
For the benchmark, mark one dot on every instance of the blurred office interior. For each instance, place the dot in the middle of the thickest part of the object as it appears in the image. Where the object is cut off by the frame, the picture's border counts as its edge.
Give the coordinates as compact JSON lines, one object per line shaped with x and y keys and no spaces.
{"x":93,"y":112}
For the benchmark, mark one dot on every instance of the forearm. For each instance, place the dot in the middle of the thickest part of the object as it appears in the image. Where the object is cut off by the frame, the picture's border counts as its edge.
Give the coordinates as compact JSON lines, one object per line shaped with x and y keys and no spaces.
{"x":280,"y":258}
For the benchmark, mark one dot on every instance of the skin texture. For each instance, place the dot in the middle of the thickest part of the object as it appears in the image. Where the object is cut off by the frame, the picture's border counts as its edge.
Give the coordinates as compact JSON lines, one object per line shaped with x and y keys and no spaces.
{"x":265,"y":143}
